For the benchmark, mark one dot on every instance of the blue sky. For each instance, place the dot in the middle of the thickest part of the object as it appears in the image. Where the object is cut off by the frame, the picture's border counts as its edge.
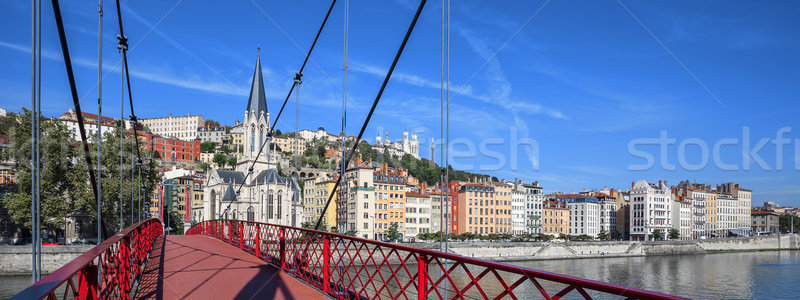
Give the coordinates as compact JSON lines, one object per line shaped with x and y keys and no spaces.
{"x":584,"y":80}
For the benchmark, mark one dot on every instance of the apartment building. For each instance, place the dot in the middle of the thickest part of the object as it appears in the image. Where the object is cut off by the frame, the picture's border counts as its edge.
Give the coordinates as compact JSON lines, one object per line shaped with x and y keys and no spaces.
{"x":681,"y":215}
{"x":418,"y":215}
{"x":518,"y":211}
{"x":171,"y":149}
{"x":711,"y":214}
{"x":608,"y":212}
{"x":357,"y":214}
{"x":650,"y":209}
{"x":555,"y":217}
{"x":316,"y":193}
{"x":727,"y":217}
{"x":214,"y":134}
{"x":765,"y":221}
{"x":89,"y":127}
{"x":472,"y":208}
{"x":292,"y":145}
{"x":389,"y":204}
{"x":584,"y":214}
{"x":500,"y":208}
{"x":744,"y":205}
{"x":180,"y":127}
{"x":533,"y":207}
{"x":440,"y":216}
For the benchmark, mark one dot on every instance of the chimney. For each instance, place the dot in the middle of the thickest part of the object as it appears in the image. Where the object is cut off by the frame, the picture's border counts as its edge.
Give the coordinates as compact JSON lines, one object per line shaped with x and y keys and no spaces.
{"x":358,"y":161}
{"x":384,"y":168}
{"x":585,"y":190}
{"x":633,"y":183}
{"x":536,"y":183}
{"x":612,"y":193}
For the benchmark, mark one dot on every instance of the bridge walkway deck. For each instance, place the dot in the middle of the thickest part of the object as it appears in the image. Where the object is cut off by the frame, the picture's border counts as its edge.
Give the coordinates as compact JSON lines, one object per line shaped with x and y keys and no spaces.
{"x":200,"y":267}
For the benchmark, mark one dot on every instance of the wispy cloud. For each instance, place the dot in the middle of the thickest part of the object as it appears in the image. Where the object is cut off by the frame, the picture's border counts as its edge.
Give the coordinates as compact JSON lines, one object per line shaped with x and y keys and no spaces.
{"x":188,"y":81}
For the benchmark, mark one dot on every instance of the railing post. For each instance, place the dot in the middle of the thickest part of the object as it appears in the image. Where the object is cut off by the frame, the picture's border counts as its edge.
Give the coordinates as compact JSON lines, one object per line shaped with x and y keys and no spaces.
{"x":257,"y":242}
{"x":326,"y":265}
{"x":282,"y":242}
{"x":422,"y":277}
{"x":241,"y":235}
{"x":230,"y":232}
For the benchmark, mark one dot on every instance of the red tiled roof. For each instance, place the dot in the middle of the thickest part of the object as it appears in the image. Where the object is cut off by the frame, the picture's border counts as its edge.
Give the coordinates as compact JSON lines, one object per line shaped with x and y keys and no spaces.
{"x":762,"y":212}
{"x":417,"y":195}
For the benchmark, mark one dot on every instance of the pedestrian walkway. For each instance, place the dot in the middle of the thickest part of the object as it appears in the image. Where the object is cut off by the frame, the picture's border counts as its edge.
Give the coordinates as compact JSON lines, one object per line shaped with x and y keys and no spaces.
{"x":200,"y":267}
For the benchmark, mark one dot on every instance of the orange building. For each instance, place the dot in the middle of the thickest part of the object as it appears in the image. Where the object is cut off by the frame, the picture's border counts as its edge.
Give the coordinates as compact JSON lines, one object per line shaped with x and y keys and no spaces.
{"x":482,"y":209}
{"x":555,"y":218}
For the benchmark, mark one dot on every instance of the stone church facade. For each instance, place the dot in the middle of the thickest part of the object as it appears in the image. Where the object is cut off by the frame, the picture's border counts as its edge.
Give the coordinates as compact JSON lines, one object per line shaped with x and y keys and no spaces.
{"x":265,"y":196}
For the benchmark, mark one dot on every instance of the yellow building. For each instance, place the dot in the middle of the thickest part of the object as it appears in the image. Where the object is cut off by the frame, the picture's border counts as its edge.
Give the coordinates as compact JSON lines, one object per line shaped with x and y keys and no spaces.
{"x":501,"y":204}
{"x":315,"y":194}
{"x":389,"y":202}
{"x":711,"y":214}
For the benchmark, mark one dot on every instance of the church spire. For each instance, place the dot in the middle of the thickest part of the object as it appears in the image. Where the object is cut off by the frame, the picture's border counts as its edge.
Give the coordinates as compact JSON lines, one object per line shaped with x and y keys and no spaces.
{"x":258,"y":101}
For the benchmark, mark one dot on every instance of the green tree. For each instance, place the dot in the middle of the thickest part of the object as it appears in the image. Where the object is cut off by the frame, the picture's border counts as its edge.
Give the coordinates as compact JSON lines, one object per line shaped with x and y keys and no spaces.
{"x":232,"y":161}
{"x":392,"y":233}
{"x":207,"y":147}
{"x":65,"y":185}
{"x":674,"y":234}
{"x":785,"y":223}
{"x":658,"y":234}
{"x":603,"y":235}
{"x":210,"y":122}
{"x":351,"y":232}
{"x":220,"y":159}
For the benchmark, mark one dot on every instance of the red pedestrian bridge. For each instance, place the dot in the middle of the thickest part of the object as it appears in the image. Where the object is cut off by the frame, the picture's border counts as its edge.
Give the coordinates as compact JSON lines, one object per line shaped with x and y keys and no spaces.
{"x":221,"y":259}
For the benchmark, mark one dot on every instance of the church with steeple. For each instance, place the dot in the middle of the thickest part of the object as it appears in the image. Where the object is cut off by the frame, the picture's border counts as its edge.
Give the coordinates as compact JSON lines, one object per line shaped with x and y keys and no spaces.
{"x":258,"y":194}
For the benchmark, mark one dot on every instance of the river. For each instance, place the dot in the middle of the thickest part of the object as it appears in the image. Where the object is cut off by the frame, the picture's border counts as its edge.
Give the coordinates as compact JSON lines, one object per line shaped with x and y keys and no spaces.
{"x":732,"y":275}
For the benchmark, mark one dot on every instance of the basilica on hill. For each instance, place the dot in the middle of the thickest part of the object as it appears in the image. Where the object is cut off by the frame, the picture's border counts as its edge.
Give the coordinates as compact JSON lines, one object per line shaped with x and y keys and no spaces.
{"x":265,"y":196}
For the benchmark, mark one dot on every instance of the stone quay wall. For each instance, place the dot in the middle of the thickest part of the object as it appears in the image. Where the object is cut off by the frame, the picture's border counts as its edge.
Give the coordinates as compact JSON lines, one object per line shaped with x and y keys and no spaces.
{"x":16,"y":260}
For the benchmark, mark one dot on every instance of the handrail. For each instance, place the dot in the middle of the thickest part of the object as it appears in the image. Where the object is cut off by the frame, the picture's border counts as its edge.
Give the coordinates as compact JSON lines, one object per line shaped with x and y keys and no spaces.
{"x":121,"y":258}
{"x":346,"y":267}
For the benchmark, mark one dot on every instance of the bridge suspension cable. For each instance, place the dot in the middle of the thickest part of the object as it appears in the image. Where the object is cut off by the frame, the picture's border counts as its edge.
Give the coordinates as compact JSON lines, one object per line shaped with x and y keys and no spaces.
{"x":372,"y":109}
{"x":36,"y":56}
{"x":345,"y":45}
{"x":299,"y":74}
{"x":123,"y":46}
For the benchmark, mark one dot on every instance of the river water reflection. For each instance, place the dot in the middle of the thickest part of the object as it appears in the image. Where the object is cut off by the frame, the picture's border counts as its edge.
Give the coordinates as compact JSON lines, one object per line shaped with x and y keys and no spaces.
{"x":740,"y":275}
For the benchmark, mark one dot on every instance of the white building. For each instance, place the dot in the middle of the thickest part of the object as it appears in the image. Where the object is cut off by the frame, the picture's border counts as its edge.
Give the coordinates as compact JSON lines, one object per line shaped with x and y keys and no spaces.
{"x":418,"y":215}
{"x":437,"y":216}
{"x":179,"y":127}
{"x":727,"y":215}
{"x":518,"y":208}
{"x":608,"y":213}
{"x":650,"y":209}
{"x":90,"y":127}
{"x":534,"y":198}
{"x":584,"y":215}
{"x":264,"y":196}
{"x":681,"y":215}
{"x":356,"y":207}
{"x":213,"y":134}
{"x":699,"y":219}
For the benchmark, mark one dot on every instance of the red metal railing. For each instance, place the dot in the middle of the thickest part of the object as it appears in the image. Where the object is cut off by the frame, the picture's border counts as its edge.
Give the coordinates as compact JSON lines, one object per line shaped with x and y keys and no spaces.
{"x":121,"y":258}
{"x":347,"y":267}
